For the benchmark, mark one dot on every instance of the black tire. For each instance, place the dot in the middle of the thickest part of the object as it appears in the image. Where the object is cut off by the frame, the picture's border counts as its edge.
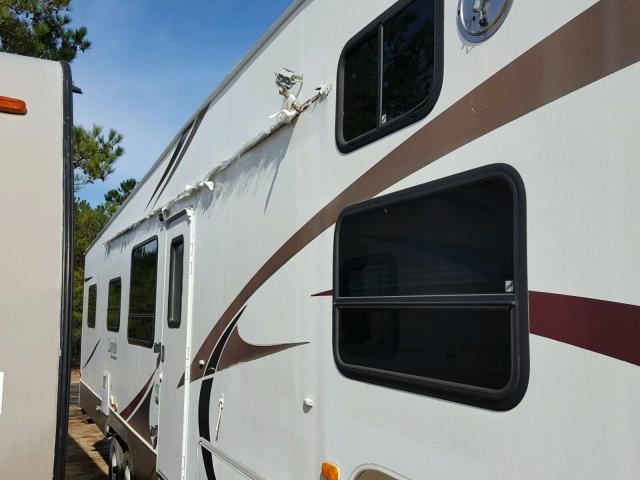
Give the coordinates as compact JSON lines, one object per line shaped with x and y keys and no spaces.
{"x":116,"y":460}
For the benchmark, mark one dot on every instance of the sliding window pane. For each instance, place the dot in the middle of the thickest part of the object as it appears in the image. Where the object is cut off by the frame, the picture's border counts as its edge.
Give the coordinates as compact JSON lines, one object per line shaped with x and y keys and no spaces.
{"x":408,"y":59}
{"x":458,"y":241}
{"x":470,"y":346}
{"x":361,"y":89}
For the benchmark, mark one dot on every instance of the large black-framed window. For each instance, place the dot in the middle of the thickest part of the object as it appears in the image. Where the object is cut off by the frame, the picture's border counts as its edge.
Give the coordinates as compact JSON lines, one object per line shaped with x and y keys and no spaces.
{"x":176,"y":274}
{"x":91,"y":305}
{"x":390,"y":73}
{"x":142,"y":293}
{"x":114,"y":296}
{"x":430,"y":289}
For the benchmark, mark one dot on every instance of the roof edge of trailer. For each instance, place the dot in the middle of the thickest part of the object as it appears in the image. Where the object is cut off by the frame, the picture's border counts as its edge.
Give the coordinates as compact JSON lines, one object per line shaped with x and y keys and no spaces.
{"x":213,"y":96}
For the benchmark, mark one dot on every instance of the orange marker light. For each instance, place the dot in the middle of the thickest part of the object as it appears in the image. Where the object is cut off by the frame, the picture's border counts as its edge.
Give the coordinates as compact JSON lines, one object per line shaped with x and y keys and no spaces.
{"x":330,"y":471}
{"x":12,"y":105}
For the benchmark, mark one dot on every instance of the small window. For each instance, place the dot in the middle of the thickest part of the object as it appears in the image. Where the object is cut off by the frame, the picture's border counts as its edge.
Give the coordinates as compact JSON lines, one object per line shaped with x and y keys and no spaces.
{"x":431,"y":289}
{"x":390,"y":73}
{"x":142,"y":293}
{"x":113,"y":305}
{"x":176,"y":261}
{"x":91,"y":306}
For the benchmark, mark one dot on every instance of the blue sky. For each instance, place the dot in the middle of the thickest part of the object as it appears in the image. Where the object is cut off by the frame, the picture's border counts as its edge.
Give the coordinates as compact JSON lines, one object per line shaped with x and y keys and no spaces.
{"x":152,"y":63}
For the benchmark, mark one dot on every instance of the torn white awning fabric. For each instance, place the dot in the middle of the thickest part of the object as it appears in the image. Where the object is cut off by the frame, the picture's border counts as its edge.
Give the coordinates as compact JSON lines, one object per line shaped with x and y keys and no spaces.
{"x":291,"y":109}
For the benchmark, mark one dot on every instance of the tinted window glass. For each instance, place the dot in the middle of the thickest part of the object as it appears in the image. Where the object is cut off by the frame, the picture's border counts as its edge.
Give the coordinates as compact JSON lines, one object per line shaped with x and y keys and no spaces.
{"x":388,"y":72}
{"x":456,"y":241}
{"x":360,"y":89}
{"x":464,"y":346}
{"x":408,"y":60}
{"x":142,"y":293}
{"x":430,"y":293}
{"x":91,"y":306}
{"x":176,"y":262}
{"x":113,"y":305}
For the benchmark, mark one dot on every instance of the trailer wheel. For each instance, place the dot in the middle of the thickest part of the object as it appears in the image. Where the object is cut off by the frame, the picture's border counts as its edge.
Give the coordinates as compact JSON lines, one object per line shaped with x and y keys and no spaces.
{"x":116,"y":460}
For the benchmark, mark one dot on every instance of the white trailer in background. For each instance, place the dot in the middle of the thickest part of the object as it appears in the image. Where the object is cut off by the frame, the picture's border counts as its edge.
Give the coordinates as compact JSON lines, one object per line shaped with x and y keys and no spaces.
{"x":423,"y":265}
{"x":36,"y":201}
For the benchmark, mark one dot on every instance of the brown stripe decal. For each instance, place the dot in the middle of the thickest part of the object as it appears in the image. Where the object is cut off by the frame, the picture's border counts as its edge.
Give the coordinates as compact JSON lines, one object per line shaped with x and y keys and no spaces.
{"x":181,"y":149}
{"x":174,"y":156}
{"x":598,"y":42}
{"x":326,"y":293}
{"x":608,"y":328}
{"x":91,"y":355}
{"x":238,"y":351}
{"x":183,"y":152}
{"x":136,"y":400}
{"x":140,"y":420}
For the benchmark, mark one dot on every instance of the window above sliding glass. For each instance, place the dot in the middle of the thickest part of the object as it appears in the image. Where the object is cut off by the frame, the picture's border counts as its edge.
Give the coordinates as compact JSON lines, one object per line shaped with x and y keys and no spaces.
{"x":390,"y":73}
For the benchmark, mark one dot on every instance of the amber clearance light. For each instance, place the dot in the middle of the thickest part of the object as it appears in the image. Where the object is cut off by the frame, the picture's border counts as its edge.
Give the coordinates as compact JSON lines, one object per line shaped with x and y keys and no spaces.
{"x":12,"y":105}
{"x":330,"y":471}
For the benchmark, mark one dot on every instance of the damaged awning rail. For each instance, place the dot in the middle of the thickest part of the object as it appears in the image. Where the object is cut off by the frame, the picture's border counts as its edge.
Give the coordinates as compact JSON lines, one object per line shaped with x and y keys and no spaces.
{"x":286,"y":81}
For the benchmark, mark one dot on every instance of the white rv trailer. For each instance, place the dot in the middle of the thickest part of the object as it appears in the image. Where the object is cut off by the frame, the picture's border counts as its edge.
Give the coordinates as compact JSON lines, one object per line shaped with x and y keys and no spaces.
{"x":424,"y":265}
{"x":35,"y":265}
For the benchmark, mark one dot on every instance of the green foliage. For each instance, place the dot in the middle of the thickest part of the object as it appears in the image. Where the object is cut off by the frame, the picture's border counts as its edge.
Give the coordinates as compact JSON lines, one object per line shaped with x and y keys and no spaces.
{"x":116,"y":197}
{"x":89,"y":222}
{"x":94,"y":154}
{"x":41,"y":29}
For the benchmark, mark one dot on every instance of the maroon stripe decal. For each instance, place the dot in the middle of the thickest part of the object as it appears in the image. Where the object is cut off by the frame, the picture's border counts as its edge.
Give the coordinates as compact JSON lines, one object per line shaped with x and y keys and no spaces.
{"x":136,"y":400}
{"x":326,"y":293}
{"x":608,"y":328}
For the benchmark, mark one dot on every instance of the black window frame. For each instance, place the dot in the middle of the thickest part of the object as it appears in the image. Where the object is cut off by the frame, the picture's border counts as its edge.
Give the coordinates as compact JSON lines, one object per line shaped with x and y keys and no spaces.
{"x":414,"y":115}
{"x":500,"y":400}
{"x":91,"y":315}
{"x":111,"y":307}
{"x":136,"y":341}
{"x":171,"y":297}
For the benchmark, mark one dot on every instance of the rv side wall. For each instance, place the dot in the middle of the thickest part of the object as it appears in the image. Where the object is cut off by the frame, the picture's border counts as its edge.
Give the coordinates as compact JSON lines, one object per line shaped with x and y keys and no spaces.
{"x":546,"y":106}
{"x":34,"y":261}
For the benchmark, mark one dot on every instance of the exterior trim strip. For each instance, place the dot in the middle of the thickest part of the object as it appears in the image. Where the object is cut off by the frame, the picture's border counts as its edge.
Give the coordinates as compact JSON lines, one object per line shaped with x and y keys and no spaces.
{"x":143,"y":455}
{"x":90,"y":402}
{"x":572,"y":57}
{"x":64,"y":369}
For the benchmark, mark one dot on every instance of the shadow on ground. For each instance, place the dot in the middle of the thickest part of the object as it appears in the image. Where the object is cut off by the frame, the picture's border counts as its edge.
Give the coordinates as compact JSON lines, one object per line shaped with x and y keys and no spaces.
{"x":87,"y":448}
